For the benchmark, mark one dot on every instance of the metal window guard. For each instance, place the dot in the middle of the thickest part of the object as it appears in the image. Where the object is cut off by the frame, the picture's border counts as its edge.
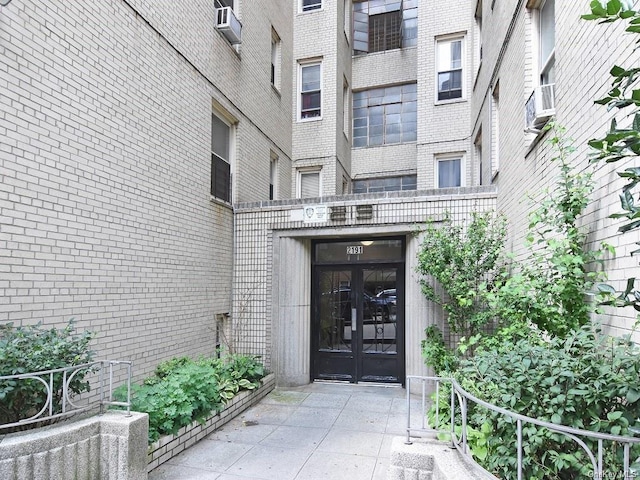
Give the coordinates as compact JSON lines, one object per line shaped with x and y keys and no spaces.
{"x":51,"y":381}
{"x":462,"y":397}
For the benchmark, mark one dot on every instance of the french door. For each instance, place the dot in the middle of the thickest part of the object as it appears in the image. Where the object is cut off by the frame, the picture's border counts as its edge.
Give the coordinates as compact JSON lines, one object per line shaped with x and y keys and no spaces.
{"x":358,"y":322}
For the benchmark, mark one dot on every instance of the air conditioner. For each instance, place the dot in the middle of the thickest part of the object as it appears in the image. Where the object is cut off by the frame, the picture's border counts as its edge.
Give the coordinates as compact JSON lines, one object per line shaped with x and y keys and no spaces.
{"x":228,"y":25}
{"x":541,"y":106}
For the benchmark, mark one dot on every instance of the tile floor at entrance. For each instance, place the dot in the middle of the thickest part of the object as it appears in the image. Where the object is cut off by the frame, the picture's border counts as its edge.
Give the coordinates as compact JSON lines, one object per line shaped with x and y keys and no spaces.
{"x":319,"y":431}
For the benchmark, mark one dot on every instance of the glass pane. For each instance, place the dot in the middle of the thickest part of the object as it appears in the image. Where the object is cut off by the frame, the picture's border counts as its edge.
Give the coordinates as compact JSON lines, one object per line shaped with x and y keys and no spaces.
{"x":456,"y":54}
{"x":219,"y":137}
{"x":547,"y":30}
{"x":335,"y":310}
{"x":309,"y":185}
{"x":449,"y":174}
{"x":379,"y":310}
{"x":311,"y":78}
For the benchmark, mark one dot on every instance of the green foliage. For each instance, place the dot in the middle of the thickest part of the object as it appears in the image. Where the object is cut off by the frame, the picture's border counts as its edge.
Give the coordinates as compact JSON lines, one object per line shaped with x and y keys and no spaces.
{"x":33,"y":349}
{"x":621,"y":143}
{"x":588,"y":380}
{"x":465,"y":261}
{"x":549,"y":289}
{"x":436,"y":353}
{"x":184,"y":390}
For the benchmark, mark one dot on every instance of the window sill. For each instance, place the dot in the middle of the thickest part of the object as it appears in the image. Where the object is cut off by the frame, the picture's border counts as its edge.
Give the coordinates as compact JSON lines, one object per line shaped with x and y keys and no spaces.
{"x":308,"y":120}
{"x":414,"y":142}
{"x":276,"y":91}
{"x":449,"y":102}
{"x":220,"y":202}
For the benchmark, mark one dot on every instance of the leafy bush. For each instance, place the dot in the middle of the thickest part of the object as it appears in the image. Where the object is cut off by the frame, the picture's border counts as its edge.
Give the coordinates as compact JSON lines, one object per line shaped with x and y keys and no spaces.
{"x":548,"y":290}
{"x":465,"y":261}
{"x":588,"y":380}
{"x":184,"y":390}
{"x":33,"y":349}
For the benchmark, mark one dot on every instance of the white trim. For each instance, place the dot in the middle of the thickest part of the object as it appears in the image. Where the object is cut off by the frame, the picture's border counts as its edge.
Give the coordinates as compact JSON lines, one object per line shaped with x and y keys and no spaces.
{"x":447,"y":157}
{"x":302,"y":64}
{"x":225,"y":117}
{"x":308,"y":171}
{"x":463,"y":66}
{"x":310,"y":10}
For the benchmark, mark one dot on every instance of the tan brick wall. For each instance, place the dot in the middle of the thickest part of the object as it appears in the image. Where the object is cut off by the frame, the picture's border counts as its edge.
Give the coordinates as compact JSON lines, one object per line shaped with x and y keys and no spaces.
{"x":105,"y":211}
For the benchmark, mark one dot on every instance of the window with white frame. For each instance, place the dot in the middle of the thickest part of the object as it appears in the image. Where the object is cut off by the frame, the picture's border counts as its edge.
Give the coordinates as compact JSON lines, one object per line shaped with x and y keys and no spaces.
{"x":346,"y":107}
{"x":384,"y":116}
{"x":449,"y":61}
{"x":309,"y":183}
{"x":495,"y":130}
{"x":310,"y":87}
{"x":273,"y":177}
{"x":478,"y":35}
{"x":449,"y":171}
{"x":221,"y":158}
{"x":477,"y":144}
{"x":380,"y":25}
{"x":347,"y":18}
{"x":309,"y":5}
{"x":276,"y":48}
{"x":547,"y":41}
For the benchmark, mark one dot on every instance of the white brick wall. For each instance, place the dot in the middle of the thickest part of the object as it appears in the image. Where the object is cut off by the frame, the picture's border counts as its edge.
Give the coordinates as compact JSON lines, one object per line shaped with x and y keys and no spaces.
{"x":585,"y":53}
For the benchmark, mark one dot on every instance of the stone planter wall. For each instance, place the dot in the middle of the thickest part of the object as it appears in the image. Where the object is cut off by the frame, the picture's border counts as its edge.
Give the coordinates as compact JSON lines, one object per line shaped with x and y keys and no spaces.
{"x":111,"y":445}
{"x":170,"y":445}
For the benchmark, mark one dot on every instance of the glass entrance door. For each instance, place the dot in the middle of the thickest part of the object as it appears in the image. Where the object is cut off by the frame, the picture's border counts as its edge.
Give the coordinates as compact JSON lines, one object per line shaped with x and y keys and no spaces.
{"x":358,"y":327}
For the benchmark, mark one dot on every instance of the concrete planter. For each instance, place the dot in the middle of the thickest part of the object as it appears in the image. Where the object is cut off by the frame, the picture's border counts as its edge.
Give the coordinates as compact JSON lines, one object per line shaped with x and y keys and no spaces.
{"x":170,"y":445}
{"x":111,"y":445}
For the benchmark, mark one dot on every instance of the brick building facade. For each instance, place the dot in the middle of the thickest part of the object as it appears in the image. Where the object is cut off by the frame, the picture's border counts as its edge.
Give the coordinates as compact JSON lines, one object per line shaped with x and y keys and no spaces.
{"x":158,"y":160}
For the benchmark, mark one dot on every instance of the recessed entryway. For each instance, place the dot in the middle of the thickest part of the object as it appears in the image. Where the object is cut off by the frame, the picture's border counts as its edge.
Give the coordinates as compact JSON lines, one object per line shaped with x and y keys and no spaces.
{"x":357,"y":331}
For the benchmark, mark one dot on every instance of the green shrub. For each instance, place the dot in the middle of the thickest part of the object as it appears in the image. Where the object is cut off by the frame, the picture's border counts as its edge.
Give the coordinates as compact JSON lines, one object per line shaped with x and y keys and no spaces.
{"x":33,"y":349}
{"x":588,"y":381}
{"x":184,"y":390}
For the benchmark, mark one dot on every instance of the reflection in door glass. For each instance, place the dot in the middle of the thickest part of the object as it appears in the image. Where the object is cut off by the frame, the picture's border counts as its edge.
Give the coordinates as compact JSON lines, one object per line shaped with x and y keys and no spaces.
{"x":335,"y":310}
{"x":379,"y":310}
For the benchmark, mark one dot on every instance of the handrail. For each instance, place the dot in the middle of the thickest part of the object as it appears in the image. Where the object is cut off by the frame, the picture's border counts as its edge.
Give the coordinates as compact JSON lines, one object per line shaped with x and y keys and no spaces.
{"x":462,"y":396}
{"x":53,"y":382}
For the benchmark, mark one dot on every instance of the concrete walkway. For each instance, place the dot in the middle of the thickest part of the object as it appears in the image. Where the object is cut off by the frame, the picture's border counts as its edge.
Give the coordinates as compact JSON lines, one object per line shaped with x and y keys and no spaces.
{"x":317,"y":432}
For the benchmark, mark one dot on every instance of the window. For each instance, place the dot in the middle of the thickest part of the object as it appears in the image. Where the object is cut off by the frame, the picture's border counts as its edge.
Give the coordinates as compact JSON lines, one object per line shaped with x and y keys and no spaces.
{"x":478,"y":154}
{"x":310,"y":91}
{"x":380,"y":25}
{"x":387,"y":184}
{"x":547,"y":42}
{"x":308,"y":183}
{"x":346,"y":12}
{"x":221,"y":151}
{"x":224,"y":3}
{"x":273,"y":177}
{"x":383,"y":116}
{"x":276,"y":46}
{"x":495,"y":130}
{"x":478,"y":35}
{"x":449,"y":172}
{"x":346,"y":108}
{"x":309,"y":5}
{"x":449,"y":53}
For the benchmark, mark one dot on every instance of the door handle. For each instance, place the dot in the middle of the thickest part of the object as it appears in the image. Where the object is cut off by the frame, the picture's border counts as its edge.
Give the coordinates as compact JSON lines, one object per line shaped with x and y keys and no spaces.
{"x":354,"y":315}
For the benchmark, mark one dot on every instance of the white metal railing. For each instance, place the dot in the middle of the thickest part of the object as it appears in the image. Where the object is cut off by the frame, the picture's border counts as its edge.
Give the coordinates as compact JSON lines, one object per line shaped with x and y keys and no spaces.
{"x":462,"y":397}
{"x":57,"y":382}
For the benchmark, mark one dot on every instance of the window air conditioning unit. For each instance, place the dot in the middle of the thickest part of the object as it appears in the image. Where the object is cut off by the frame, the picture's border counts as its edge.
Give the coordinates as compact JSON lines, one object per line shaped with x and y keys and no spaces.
{"x":541,"y":106}
{"x":228,"y":25}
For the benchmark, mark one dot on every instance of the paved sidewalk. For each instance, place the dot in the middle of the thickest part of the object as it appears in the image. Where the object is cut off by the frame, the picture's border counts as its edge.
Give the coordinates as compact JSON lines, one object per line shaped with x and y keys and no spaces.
{"x":317,"y":432}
